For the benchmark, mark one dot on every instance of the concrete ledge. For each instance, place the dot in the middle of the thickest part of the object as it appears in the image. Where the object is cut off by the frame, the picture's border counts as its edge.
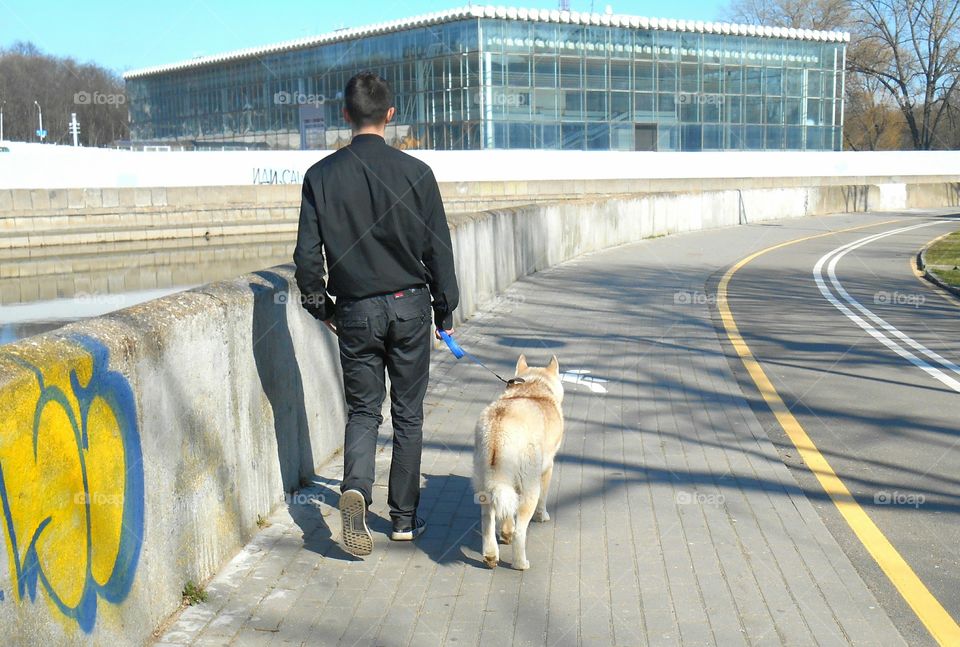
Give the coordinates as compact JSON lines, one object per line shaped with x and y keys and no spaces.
{"x":201,"y":409}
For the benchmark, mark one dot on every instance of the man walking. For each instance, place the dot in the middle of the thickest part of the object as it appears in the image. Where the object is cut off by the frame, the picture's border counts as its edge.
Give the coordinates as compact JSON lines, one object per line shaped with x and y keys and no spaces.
{"x":376,"y":215}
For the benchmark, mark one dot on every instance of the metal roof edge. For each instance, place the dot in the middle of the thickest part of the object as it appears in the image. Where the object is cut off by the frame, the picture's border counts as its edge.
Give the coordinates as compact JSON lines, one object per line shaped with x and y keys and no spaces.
{"x":502,"y":12}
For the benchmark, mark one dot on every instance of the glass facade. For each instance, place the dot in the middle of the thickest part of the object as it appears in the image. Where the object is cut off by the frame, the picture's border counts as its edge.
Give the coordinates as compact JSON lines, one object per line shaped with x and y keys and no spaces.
{"x":500,"y":83}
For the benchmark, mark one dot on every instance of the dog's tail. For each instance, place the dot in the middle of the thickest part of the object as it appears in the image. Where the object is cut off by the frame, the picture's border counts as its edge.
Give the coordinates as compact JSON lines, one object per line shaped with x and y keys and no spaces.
{"x":505,"y":501}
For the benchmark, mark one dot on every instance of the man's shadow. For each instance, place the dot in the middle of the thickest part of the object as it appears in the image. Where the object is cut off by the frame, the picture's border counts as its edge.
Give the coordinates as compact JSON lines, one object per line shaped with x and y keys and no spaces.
{"x":276,"y":361}
{"x":306,"y":507}
{"x":453,"y":521}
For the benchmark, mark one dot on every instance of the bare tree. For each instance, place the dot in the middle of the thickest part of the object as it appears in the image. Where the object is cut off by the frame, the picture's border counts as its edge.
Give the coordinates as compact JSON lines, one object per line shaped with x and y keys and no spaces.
{"x":800,"y":14}
{"x":872,"y":120}
{"x":61,"y":86}
{"x":912,"y":48}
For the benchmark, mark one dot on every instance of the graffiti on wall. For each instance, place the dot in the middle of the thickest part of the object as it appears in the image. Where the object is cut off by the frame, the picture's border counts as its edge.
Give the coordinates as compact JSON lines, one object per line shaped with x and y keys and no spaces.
{"x":71,"y":483}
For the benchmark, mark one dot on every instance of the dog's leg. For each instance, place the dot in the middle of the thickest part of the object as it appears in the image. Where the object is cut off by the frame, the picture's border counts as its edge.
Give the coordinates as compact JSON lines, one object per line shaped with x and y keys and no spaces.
{"x":488,"y":529}
{"x":528,"y":504}
{"x":541,"y":513}
{"x":506,"y":530}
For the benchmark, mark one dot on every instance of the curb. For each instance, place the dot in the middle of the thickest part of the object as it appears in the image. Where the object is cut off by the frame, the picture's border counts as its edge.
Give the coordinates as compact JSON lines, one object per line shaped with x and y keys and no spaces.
{"x":931,"y":276}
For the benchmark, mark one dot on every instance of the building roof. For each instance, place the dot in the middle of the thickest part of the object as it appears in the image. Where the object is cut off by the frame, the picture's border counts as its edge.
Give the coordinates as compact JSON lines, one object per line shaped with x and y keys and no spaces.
{"x":510,"y":13}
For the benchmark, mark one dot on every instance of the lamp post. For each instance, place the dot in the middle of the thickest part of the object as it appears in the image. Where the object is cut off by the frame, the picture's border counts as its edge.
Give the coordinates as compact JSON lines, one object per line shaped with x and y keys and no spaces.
{"x":40,"y":132}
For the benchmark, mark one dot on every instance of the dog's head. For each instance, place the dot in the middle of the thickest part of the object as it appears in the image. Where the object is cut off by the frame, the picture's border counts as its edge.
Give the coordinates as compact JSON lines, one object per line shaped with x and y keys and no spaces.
{"x":550,"y":376}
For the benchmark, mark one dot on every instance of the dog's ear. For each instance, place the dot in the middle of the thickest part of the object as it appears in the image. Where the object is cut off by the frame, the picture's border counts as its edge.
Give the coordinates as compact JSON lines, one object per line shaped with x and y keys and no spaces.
{"x":521,"y":365}
{"x":554,"y":365}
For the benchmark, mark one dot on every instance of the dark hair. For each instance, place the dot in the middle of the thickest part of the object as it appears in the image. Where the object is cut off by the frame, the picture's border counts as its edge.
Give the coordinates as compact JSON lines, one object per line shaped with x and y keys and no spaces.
{"x":367,"y":99}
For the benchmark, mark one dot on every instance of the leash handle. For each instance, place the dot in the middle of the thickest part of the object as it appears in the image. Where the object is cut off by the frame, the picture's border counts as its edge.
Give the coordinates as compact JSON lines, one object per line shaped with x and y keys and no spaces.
{"x":451,"y":343}
{"x":459,"y":353}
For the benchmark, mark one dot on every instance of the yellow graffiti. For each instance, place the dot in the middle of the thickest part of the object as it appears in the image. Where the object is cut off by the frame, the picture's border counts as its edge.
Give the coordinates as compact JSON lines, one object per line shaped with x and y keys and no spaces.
{"x":71,"y":481}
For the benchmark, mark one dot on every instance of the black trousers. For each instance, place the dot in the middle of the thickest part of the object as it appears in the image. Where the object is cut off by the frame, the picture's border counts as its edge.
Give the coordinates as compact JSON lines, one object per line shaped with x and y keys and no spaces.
{"x":389,"y":332}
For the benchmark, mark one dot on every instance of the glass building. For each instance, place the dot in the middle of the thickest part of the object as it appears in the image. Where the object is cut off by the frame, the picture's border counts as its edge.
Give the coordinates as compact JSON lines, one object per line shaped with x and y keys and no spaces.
{"x":486,"y":77}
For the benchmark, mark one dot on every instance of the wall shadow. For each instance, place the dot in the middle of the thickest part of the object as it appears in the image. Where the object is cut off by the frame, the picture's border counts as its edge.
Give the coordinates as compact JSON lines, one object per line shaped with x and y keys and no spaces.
{"x":279,"y":373}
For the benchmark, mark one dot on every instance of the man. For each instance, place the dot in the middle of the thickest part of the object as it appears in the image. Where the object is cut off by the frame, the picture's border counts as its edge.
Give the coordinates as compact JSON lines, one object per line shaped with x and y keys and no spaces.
{"x":375,"y":213}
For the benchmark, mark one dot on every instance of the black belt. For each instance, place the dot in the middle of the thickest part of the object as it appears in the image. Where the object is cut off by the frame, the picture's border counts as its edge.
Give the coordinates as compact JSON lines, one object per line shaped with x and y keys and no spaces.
{"x":407,"y":292}
{"x":399,"y":294}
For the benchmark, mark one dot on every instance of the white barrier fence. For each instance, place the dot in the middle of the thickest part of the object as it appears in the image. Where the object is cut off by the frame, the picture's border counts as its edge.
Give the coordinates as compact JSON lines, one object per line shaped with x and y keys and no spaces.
{"x":33,"y":166}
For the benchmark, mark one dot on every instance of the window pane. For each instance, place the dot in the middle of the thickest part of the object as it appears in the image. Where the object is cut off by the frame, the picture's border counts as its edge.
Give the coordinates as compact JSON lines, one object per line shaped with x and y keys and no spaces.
{"x":690,"y":137}
{"x":712,"y":79}
{"x":814,"y":84}
{"x":619,"y":75}
{"x":792,"y":113}
{"x":752,"y":80}
{"x":773,"y":109}
{"x":572,"y":136}
{"x":666,"y":107}
{"x":521,"y":136}
{"x":813,"y":112}
{"x":548,"y":135}
{"x":753,"y":110}
{"x":710,"y":108}
{"x":545,"y":105}
{"x":500,"y":135}
{"x":733,"y":109}
{"x":596,"y":106}
{"x":667,"y":77}
{"x":598,"y":136}
{"x":619,"y":106}
{"x":793,"y":82}
{"x":643,"y":76}
{"x":712,"y":138}
{"x":545,"y":72}
{"x":668,"y":138}
{"x":773,"y":81}
{"x":570,"y":73}
{"x":733,"y":137}
{"x":689,"y":106}
{"x":643,"y":107}
{"x":572,"y":109}
{"x":774,"y":138}
{"x":518,"y":71}
{"x":794,"y":138}
{"x":596,"y":73}
{"x":621,"y":137}
{"x":690,"y":77}
{"x":733,"y":80}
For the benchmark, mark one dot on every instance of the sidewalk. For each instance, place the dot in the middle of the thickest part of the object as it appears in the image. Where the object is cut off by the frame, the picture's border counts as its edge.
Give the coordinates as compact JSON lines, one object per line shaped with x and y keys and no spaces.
{"x":673,"y":520}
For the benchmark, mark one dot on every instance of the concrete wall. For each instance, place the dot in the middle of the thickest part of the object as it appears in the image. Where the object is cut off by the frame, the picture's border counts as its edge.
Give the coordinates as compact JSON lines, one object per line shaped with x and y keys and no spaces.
{"x":31,"y":218}
{"x":150,"y":439}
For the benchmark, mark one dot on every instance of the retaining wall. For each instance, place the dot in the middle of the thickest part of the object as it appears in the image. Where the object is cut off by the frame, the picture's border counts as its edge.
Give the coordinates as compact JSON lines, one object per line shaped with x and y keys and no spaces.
{"x":138,"y":449}
{"x":31,"y":218}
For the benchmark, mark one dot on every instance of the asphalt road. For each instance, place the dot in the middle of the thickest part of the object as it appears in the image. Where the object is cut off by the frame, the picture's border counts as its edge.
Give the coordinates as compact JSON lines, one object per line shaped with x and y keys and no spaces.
{"x":866,"y":359}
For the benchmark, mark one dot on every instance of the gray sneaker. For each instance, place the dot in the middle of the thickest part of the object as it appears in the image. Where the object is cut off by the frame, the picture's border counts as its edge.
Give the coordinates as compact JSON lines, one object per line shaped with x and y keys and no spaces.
{"x":355,"y":536}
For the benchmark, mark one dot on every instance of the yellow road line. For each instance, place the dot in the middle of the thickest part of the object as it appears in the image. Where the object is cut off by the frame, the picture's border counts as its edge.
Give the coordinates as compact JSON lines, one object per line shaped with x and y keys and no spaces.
{"x":931,"y":613}
{"x":933,"y":286}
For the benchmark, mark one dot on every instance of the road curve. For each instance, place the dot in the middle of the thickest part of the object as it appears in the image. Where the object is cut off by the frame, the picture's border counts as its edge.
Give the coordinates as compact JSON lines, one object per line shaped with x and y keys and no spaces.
{"x":865,"y":358}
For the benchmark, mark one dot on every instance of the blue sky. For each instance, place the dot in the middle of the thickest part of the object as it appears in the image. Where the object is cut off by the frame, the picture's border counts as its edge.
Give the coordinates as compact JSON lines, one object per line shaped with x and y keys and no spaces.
{"x":130,"y":34}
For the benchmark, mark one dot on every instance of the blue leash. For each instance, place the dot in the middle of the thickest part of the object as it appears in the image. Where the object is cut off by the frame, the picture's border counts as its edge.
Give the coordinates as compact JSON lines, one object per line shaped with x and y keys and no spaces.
{"x":458,"y":352}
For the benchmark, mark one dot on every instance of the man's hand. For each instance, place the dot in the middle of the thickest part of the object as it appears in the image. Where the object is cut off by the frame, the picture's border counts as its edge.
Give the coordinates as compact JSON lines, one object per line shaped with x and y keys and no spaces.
{"x":332,"y":326}
{"x":436,"y":333}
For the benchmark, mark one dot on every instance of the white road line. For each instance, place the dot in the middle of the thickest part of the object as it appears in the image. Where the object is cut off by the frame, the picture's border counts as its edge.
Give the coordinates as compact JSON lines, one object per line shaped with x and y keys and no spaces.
{"x":834,"y":257}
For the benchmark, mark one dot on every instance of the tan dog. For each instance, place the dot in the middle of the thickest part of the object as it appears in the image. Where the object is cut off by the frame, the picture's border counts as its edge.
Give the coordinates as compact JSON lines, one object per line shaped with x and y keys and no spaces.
{"x":516,"y":440}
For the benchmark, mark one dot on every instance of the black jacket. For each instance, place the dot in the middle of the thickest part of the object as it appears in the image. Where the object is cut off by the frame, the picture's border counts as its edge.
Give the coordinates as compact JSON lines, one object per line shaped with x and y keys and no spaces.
{"x":376,"y":213}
